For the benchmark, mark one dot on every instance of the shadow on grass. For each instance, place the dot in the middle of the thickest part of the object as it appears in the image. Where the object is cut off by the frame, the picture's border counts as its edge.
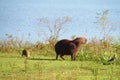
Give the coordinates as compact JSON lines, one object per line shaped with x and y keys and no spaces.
{"x":42,"y":59}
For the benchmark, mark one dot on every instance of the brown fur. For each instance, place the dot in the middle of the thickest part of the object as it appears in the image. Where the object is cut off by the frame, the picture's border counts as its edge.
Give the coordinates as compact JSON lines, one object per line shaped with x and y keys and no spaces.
{"x":69,"y":47}
{"x":25,"y":53}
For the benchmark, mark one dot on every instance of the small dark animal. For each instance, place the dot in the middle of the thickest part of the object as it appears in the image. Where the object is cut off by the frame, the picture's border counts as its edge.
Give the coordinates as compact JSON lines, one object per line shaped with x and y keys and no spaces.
{"x":69,"y":47}
{"x":25,"y":53}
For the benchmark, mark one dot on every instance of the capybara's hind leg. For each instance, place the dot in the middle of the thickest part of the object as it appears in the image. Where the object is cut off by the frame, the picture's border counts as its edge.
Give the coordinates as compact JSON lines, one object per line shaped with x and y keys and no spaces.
{"x":57,"y":57}
{"x":72,"y":58}
{"x":62,"y":57}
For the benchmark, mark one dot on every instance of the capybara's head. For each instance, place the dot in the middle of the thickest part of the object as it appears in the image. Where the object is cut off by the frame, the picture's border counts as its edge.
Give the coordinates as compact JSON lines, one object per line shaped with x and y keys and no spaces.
{"x":82,"y":40}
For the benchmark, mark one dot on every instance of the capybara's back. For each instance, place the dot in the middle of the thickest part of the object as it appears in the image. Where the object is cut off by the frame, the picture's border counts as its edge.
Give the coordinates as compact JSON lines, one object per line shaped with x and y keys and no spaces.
{"x":61,"y":46}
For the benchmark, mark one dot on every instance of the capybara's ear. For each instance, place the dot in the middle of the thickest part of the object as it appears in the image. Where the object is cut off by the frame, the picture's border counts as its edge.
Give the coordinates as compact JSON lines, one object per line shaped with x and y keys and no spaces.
{"x":83,"y":40}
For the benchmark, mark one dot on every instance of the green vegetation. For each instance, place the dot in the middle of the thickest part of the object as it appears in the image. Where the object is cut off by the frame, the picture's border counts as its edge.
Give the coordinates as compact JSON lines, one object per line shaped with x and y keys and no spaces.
{"x":15,"y":67}
{"x":91,"y":63}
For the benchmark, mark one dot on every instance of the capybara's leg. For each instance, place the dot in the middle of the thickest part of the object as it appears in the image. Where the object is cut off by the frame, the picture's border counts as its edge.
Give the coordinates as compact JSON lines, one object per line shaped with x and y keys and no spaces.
{"x":27,"y":55}
{"x":57,"y":57}
{"x":62,"y":57}
{"x":73,"y":57}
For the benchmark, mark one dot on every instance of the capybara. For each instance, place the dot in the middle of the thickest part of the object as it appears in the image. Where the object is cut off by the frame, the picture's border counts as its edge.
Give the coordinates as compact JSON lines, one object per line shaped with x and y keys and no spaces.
{"x":25,"y":53}
{"x":69,"y":47}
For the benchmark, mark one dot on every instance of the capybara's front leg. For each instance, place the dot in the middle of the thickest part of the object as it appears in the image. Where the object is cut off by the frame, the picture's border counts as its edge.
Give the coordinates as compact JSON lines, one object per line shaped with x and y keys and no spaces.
{"x":73,"y":57}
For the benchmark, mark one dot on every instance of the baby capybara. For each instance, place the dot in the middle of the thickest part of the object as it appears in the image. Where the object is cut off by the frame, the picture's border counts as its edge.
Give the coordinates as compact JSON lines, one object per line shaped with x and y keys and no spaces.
{"x":25,"y":53}
{"x":69,"y":47}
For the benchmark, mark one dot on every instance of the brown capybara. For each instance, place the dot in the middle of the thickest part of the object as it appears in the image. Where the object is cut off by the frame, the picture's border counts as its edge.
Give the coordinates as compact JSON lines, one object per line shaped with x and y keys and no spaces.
{"x":69,"y":47}
{"x":25,"y":53}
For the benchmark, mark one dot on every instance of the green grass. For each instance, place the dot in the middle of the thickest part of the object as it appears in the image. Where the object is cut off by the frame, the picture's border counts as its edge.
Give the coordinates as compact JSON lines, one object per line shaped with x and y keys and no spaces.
{"x":15,"y":67}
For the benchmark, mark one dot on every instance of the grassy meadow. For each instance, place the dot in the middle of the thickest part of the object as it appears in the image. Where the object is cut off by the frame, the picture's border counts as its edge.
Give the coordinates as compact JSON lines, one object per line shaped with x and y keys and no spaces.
{"x":91,"y":63}
{"x":15,"y":67}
